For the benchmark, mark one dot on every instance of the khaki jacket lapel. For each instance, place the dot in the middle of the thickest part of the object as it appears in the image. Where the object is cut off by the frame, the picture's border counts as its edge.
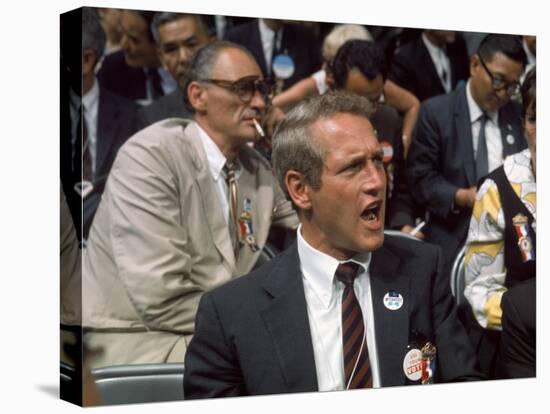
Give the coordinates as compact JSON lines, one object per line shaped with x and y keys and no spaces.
{"x":210,"y":199}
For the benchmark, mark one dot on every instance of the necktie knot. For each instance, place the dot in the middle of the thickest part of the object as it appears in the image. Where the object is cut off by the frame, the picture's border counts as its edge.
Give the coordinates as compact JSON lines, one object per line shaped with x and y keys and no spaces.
{"x":347,"y":272}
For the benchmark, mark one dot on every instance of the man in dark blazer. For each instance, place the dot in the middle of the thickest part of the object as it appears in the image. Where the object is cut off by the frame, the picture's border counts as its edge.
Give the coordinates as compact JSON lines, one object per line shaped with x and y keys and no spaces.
{"x":442,"y":170}
{"x":177,"y":37}
{"x":135,"y":72}
{"x":344,"y":307}
{"x":414,"y":68}
{"x":519,"y":331}
{"x":108,"y":119}
{"x":291,"y":39}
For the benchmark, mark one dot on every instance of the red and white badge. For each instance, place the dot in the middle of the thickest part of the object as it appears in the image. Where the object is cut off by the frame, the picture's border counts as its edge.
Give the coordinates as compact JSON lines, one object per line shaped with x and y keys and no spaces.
{"x":412,"y":364}
{"x":388,"y":151}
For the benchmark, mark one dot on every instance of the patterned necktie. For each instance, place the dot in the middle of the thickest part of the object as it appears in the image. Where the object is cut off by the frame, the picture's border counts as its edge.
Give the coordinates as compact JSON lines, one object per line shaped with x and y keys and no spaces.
{"x":482,"y":157}
{"x":231,"y":179}
{"x":356,"y":356}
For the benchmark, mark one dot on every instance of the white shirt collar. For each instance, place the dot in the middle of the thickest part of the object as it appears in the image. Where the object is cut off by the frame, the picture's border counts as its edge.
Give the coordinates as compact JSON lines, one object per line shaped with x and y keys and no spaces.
{"x":91,"y":98}
{"x":319,"y":268}
{"x":435,"y":51}
{"x":216,"y":159}
{"x":475,"y":110}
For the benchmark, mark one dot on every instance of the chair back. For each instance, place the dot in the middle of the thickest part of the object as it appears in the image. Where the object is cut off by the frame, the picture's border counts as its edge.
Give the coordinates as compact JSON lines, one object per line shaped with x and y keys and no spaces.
{"x":458,"y":276}
{"x":129,"y":384}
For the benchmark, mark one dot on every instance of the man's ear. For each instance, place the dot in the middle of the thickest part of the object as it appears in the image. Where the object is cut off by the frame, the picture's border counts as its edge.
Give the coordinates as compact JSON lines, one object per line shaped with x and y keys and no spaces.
{"x":474,"y":63}
{"x":298,"y":189}
{"x":196,"y":95}
{"x":89,"y":60}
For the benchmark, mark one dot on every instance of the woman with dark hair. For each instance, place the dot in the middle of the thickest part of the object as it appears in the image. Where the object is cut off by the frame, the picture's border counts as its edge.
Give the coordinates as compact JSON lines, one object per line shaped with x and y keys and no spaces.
{"x":501,"y":244}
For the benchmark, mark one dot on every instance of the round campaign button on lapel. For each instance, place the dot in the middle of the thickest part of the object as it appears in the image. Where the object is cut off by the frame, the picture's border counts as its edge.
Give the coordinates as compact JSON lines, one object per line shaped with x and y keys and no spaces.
{"x":283,"y":66}
{"x":510,"y":139}
{"x":393,"y":300}
{"x":412,"y":364}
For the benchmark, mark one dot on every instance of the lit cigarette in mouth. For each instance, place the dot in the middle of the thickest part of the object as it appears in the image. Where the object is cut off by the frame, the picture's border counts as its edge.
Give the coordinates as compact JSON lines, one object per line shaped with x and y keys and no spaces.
{"x":258,"y":128}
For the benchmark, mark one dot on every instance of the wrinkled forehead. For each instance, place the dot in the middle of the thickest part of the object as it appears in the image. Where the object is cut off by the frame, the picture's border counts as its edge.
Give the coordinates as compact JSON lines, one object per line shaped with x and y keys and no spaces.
{"x":233,"y":64}
{"x":343,"y":130}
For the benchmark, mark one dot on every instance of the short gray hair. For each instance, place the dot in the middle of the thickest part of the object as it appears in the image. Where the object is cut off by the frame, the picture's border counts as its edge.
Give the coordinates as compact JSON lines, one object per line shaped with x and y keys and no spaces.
{"x":204,"y":60}
{"x":161,"y":18}
{"x":294,"y":148}
{"x":93,"y":36}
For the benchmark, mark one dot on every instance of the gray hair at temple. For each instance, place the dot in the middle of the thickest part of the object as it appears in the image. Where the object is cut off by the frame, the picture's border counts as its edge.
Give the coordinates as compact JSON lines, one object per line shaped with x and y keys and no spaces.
{"x":294,"y":148}
{"x":203,"y":61}
{"x":93,"y":36}
{"x":161,"y":18}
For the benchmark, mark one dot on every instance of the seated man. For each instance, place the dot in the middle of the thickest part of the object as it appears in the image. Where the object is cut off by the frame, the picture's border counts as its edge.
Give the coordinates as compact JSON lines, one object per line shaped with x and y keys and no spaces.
{"x":186,"y":209}
{"x":178,"y":36}
{"x":464,"y":135}
{"x":345,"y":307}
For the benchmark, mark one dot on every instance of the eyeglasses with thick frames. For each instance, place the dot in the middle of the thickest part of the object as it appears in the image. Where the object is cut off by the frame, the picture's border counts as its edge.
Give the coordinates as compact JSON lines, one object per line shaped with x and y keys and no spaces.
{"x":512,"y":88}
{"x":245,"y":88}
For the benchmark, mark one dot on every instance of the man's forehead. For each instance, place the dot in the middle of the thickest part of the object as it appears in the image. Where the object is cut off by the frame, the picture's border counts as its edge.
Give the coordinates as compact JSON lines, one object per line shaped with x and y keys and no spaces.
{"x":233,"y":63}
{"x":335,"y":129}
{"x":185,"y":25}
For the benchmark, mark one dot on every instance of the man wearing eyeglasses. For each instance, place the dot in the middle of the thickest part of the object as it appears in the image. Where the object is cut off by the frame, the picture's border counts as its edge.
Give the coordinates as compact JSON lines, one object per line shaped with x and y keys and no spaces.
{"x":187,"y":208}
{"x":464,"y":135}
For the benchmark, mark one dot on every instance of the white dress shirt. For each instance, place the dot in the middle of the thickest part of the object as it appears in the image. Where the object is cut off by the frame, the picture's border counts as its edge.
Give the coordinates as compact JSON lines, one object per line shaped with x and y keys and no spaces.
{"x":324,"y":306}
{"x":267,"y":35}
{"x":492,"y":131}
{"x":90,"y":101}
{"x":216,"y":161}
{"x":441,"y":62}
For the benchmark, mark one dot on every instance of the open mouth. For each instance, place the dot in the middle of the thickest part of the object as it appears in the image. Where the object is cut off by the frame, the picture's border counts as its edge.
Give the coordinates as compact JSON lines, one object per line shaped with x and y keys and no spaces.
{"x":372,"y":213}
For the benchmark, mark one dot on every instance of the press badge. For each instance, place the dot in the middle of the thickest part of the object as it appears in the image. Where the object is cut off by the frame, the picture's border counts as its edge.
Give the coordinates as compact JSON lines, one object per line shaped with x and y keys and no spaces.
{"x":525,"y":244}
{"x":245,"y":226}
{"x":419,"y":364}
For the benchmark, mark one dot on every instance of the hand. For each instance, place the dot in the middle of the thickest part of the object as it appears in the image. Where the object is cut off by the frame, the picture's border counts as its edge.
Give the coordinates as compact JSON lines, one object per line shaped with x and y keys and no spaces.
{"x":407,"y":228}
{"x":270,"y":120}
{"x":465,"y":197}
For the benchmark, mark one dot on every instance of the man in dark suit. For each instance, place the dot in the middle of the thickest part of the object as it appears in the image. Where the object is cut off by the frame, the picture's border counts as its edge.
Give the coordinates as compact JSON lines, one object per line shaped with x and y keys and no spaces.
{"x":519,"y":331}
{"x":360,"y":67}
{"x":432,"y":64}
{"x":268,"y":38}
{"x":98,"y":123}
{"x":136,"y":72}
{"x":177,"y":37}
{"x":344,"y":307}
{"x":462,"y":136}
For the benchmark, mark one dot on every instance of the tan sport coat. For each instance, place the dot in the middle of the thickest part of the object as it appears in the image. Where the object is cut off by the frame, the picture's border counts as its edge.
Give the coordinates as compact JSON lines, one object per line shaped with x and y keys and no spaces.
{"x":159,"y":241}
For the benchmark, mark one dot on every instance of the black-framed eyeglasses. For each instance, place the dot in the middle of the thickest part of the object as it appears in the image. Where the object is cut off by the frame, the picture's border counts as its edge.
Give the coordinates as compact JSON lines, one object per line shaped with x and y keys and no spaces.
{"x":512,"y":88}
{"x":245,"y":88}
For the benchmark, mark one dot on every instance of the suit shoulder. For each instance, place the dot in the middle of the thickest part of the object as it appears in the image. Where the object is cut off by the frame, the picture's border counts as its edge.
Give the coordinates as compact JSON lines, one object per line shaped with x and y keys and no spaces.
{"x":122,"y":102}
{"x":240,"y":32}
{"x":406,"y":247}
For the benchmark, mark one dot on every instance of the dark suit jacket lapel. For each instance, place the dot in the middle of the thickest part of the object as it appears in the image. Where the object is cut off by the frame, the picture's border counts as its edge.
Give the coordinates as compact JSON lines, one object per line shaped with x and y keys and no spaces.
{"x":510,"y":132}
{"x":216,"y":222}
{"x":107,"y":127}
{"x":391,"y":326}
{"x":464,"y":134}
{"x":287,"y":322}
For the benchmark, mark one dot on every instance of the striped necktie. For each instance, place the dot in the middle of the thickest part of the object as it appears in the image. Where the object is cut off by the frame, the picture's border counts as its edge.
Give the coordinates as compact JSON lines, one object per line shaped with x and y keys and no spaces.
{"x":356,"y":356}
{"x":231,"y":179}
